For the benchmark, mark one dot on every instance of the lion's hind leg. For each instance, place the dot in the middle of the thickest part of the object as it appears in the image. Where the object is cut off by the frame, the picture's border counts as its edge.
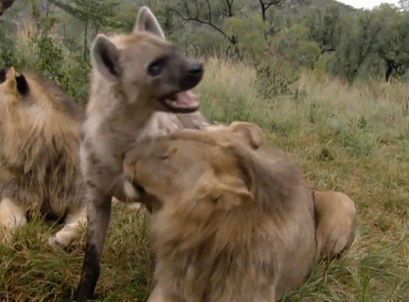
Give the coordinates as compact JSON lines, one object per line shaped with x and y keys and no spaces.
{"x":336,"y":223}
{"x":11,"y":216}
{"x":73,"y":227}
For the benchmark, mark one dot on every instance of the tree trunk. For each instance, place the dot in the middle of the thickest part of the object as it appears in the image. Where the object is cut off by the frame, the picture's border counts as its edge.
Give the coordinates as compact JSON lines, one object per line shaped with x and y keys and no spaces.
{"x":388,"y":73}
{"x":263,"y":11}
{"x":85,"y":40}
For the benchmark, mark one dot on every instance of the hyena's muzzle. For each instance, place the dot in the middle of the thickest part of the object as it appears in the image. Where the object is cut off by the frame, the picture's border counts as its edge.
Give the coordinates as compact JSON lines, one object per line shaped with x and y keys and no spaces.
{"x":183,"y":75}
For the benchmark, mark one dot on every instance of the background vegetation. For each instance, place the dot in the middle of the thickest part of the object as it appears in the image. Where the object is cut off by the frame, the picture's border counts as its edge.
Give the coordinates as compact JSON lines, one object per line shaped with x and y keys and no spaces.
{"x":326,"y":82}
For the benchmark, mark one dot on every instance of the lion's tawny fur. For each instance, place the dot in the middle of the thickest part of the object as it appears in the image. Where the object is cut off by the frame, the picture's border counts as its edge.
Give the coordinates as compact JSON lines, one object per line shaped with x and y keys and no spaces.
{"x":39,"y":141}
{"x":235,"y":223}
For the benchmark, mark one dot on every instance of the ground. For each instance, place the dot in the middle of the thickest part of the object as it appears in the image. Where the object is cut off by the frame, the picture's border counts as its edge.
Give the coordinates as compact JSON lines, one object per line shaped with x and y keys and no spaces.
{"x":352,"y":139}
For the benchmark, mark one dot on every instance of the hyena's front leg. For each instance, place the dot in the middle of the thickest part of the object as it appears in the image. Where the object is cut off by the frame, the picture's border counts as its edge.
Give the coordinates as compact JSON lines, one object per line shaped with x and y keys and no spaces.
{"x":72,"y":229}
{"x":98,"y":215}
{"x":11,"y":216}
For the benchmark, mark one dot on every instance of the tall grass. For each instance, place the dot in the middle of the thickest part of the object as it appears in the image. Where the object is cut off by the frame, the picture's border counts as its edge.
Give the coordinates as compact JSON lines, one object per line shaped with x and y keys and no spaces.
{"x":349,"y":138}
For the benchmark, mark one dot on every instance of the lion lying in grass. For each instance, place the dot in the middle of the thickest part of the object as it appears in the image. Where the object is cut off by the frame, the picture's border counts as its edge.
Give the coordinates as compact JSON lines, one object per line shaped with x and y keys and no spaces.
{"x":39,"y":140}
{"x":232,"y":222}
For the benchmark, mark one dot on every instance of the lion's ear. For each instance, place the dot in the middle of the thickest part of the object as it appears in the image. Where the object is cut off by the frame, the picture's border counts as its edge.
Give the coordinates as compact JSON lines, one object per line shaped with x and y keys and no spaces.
{"x":10,"y":80}
{"x":251,"y":133}
{"x":229,"y":195}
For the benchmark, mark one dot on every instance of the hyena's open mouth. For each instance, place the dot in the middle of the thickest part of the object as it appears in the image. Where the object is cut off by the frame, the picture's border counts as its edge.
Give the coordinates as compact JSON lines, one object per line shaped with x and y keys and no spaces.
{"x":181,"y":102}
{"x":184,"y":100}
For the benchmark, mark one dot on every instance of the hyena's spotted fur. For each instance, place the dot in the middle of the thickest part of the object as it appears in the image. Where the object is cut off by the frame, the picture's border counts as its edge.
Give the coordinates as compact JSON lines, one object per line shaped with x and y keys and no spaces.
{"x":138,"y":84}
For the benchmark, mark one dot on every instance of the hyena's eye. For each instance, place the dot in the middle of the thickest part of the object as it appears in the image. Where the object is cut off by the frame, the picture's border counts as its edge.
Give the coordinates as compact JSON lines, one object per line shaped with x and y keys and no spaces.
{"x":155,"y":68}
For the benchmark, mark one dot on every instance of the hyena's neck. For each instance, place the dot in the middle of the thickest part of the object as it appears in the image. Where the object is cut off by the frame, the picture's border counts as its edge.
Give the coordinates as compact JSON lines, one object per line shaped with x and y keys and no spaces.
{"x":112,"y":120}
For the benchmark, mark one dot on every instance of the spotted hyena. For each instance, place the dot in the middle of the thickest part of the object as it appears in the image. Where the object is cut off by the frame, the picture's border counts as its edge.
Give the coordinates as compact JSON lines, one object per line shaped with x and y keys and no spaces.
{"x":137,"y":79}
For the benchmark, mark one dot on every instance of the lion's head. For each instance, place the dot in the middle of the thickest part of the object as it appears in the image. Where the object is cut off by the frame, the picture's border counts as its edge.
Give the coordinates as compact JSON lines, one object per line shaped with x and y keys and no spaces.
{"x":39,"y":138}
{"x":35,"y":114}
{"x":213,"y":171}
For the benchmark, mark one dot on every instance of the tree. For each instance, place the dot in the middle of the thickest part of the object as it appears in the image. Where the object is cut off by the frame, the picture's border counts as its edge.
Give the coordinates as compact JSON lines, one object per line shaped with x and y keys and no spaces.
{"x":251,"y":32}
{"x":99,"y":13}
{"x":265,"y":5}
{"x":4,"y":5}
{"x":325,"y":26}
{"x":211,"y":13}
{"x":404,"y":4}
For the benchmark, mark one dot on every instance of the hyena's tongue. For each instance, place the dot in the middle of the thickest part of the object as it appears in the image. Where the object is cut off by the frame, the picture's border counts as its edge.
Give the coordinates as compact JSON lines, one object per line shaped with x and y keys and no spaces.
{"x":185,"y":101}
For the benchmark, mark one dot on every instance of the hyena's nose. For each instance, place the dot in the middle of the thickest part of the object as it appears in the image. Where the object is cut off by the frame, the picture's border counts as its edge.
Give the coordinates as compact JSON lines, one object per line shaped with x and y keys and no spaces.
{"x":195,"y":69}
{"x":193,"y":75}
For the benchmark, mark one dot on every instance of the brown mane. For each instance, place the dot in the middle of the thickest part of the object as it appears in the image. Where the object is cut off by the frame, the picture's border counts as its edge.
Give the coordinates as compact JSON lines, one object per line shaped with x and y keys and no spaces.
{"x":271,"y":177}
{"x":40,"y":132}
{"x":235,"y":221}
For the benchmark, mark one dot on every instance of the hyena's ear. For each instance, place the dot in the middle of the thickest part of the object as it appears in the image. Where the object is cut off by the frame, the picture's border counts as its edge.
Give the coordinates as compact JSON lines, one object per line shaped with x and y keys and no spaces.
{"x":105,"y":57}
{"x":146,"y":21}
{"x":251,"y":133}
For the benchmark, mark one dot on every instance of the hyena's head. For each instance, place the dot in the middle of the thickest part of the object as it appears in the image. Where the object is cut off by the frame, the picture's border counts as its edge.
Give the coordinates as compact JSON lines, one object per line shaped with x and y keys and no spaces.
{"x":146,"y":68}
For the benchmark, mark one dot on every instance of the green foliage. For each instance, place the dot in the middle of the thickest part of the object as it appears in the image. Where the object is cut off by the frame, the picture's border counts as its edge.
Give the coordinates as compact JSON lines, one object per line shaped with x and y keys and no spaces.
{"x":354,"y":44}
{"x":75,"y":78}
{"x":49,"y":54}
{"x":101,"y":13}
{"x":7,"y":53}
{"x":362,"y":44}
{"x":251,"y":31}
{"x":294,"y":46}
{"x":404,"y":4}
{"x":272,"y":79}
{"x":325,"y":26}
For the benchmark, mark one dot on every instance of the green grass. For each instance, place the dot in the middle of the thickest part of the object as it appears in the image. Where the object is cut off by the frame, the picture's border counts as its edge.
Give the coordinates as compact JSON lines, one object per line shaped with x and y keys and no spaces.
{"x":30,"y":271}
{"x":352,"y":139}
